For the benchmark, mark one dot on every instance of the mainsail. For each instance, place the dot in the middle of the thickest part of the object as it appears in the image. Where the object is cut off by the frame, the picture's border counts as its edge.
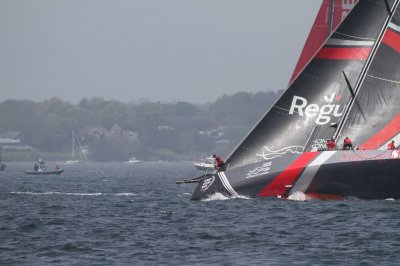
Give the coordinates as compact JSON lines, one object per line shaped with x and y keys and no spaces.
{"x":375,"y":118}
{"x":323,"y":90}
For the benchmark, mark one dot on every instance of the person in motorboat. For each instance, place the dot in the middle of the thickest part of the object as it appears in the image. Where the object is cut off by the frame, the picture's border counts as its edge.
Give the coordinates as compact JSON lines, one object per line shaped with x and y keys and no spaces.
{"x":391,"y":146}
{"x":42,"y":166}
{"x":347,"y":144}
{"x":330,"y":144}
{"x":219,"y":163}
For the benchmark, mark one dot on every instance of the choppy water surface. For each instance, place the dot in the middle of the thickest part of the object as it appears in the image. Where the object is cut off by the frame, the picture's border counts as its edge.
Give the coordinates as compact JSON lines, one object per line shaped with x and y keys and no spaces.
{"x":135,"y":214}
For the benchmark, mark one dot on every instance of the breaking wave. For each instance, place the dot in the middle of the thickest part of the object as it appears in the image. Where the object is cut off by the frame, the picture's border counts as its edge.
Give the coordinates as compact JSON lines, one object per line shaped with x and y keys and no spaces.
{"x":299,"y":196}
{"x":220,"y":196}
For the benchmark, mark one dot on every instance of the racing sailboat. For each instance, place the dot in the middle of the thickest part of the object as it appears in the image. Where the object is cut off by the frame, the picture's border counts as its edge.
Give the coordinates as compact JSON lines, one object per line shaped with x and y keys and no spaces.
{"x":350,"y":87}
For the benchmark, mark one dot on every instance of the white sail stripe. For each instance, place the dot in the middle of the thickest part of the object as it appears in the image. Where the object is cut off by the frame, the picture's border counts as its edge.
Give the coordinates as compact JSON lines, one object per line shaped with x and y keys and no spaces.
{"x":349,"y":42}
{"x":388,"y":80}
{"x":226,"y":184}
{"x":223,"y":182}
{"x":234,"y":193}
{"x":394,"y":26}
{"x":308,"y":174}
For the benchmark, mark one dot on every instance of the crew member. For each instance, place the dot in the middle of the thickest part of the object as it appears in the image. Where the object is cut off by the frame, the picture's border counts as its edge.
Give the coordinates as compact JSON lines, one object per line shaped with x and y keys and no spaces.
{"x":391,"y":146}
{"x":219,"y":164}
{"x":347,"y":144}
{"x":330,"y":144}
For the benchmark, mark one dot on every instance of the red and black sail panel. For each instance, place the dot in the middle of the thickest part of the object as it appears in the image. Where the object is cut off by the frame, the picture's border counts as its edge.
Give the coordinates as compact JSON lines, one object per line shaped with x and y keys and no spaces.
{"x":330,"y":15}
{"x":339,"y":49}
{"x":375,"y":118}
{"x":392,"y":37}
{"x":317,"y":97}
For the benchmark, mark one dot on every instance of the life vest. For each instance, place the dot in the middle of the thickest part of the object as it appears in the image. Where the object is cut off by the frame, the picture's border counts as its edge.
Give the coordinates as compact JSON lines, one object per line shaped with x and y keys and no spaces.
{"x":219,"y":161}
{"x":347,"y":141}
{"x":391,"y":146}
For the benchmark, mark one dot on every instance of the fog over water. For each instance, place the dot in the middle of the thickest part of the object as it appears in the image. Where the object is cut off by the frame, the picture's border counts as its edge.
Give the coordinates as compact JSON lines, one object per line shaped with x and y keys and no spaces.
{"x":157,"y":50}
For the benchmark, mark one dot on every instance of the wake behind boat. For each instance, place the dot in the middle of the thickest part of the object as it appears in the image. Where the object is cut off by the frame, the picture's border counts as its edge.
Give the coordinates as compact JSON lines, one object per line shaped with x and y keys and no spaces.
{"x":40,"y":168}
{"x":350,"y":88}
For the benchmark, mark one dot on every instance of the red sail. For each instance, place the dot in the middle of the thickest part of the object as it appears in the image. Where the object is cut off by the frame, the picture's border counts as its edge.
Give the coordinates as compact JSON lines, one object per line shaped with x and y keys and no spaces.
{"x":330,"y":15}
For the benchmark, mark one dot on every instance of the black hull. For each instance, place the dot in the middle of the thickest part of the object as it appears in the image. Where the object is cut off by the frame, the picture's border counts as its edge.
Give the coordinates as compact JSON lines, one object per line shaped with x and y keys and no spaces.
{"x":2,"y":166}
{"x":322,"y":175}
{"x":53,"y":172}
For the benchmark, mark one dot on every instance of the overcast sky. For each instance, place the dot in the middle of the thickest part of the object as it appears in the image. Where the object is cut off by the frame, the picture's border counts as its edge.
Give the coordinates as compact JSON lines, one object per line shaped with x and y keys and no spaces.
{"x":157,"y":50}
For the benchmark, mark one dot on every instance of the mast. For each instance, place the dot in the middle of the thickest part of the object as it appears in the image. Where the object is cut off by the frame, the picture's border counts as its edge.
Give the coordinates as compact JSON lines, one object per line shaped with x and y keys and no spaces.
{"x":330,"y":18}
{"x":73,"y":146}
{"x":367,"y":65}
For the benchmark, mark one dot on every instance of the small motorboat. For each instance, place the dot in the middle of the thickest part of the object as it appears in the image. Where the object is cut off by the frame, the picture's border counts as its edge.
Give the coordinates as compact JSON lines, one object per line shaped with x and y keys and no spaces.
{"x":40,"y":168}
{"x":133,"y":160}
{"x":205,"y":164}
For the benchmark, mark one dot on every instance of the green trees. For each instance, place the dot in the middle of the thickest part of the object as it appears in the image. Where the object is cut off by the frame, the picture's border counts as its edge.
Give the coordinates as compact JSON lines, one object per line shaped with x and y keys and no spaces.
{"x":115,"y":131}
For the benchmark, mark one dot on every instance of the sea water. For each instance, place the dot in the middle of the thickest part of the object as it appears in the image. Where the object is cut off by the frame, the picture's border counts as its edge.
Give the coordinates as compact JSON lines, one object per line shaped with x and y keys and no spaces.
{"x":135,"y":214}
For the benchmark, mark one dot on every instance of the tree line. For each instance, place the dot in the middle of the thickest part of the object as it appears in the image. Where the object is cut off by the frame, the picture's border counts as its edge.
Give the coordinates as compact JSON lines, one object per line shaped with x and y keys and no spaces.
{"x":162,"y":131}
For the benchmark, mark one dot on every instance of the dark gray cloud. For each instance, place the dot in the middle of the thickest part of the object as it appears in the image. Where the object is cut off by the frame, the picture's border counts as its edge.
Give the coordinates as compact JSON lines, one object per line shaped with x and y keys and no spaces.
{"x":167,"y":50}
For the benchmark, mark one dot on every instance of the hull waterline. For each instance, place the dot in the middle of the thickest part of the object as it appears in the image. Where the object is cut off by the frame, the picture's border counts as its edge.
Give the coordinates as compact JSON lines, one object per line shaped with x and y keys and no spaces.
{"x":53,"y":172}
{"x":322,"y":175}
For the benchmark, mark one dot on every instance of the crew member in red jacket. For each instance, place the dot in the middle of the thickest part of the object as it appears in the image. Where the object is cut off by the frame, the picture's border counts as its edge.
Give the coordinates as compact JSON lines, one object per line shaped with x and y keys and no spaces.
{"x":391,"y":146}
{"x":330,"y":144}
{"x":347,"y":144}
{"x":219,"y":164}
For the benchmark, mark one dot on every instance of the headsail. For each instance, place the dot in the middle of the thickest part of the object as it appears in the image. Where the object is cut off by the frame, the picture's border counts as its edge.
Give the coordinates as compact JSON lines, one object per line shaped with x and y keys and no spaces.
{"x":375,"y":119}
{"x":317,"y":97}
{"x":330,"y":15}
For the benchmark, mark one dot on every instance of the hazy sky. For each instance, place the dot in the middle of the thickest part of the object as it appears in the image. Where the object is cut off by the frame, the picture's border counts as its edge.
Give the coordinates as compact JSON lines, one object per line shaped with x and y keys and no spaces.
{"x":157,"y":50}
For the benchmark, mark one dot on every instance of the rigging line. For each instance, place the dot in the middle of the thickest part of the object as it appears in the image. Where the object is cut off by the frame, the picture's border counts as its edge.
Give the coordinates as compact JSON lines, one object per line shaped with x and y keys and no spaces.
{"x":364,"y":71}
{"x":284,"y":109}
{"x":365,"y":158}
{"x":383,"y":79}
{"x":388,"y":7}
{"x":355,"y":37}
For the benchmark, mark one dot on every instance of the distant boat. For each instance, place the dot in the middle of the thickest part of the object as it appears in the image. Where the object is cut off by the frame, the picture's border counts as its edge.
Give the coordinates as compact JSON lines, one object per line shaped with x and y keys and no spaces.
{"x":205,"y":164}
{"x":133,"y":160}
{"x":2,"y":165}
{"x":40,"y":168}
{"x":73,"y":160}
